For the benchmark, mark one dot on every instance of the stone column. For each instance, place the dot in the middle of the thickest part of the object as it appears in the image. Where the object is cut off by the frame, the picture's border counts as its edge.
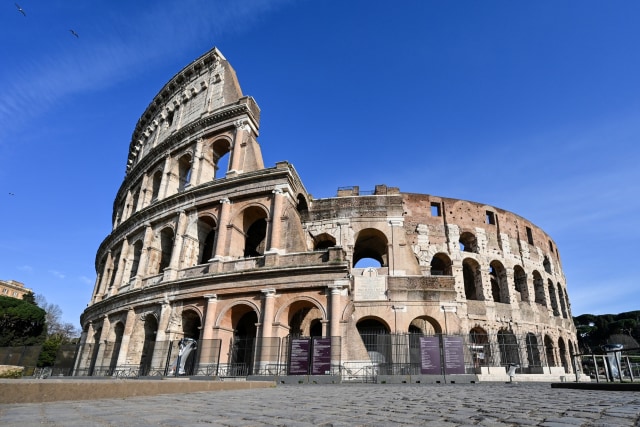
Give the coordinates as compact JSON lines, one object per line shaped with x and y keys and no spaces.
{"x":335,"y":306}
{"x":237,"y":149}
{"x":196,"y":164}
{"x":221,"y":235}
{"x":126,"y":337}
{"x":207,"y":348}
{"x":166,"y":175}
{"x":105,"y":275}
{"x":104,"y":333}
{"x":276,"y":221}
{"x":124,"y":253}
{"x":144,"y":255}
{"x":176,"y":254}
{"x":268,"y":353}
{"x":142,"y":198}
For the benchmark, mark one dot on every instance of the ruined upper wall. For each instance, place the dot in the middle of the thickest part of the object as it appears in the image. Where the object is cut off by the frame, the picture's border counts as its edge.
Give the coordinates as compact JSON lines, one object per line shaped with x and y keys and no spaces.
{"x":206,"y":85}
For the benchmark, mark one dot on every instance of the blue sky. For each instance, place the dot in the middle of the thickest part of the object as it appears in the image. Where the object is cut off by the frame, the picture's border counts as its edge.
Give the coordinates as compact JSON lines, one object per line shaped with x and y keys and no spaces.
{"x":532,"y":107}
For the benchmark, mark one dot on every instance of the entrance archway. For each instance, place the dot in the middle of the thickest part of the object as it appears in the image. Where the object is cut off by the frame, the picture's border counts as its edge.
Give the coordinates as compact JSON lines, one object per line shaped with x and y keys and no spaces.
{"x":150,"y":331}
{"x":244,"y":337}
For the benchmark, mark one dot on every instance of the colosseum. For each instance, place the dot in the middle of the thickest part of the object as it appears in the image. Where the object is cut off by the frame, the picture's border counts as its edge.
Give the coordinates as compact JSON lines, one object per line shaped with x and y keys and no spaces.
{"x":217,"y":265}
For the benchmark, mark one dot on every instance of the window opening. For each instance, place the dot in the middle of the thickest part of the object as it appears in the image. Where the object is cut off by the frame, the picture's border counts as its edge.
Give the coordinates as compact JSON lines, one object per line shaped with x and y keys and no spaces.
{"x":529,"y":236}
{"x":490,"y":218}
{"x":435,"y":209}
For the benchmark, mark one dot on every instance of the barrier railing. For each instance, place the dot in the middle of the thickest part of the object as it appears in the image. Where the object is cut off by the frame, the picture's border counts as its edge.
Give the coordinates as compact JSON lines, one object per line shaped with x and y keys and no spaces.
{"x":615,"y":365}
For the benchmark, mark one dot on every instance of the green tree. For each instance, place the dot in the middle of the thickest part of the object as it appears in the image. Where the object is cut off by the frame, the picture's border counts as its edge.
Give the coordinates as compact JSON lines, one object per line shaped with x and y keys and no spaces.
{"x":21,"y":323}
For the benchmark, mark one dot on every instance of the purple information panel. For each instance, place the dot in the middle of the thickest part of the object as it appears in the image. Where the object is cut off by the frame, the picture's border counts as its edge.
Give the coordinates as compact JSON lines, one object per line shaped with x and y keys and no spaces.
{"x":430,"y":356}
{"x":321,"y":356}
{"x":453,"y":355}
{"x":299,"y":357}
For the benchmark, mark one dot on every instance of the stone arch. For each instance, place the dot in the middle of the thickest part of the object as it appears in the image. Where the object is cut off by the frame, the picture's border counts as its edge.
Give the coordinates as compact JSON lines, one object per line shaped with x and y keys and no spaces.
{"x":441,"y":265}
{"x":499,"y":283}
{"x":561,"y":297}
{"x":480,"y":346}
{"x":191,"y":323}
{"x":546,"y":264}
{"x":533,"y":351}
{"x":207,"y":230}
{"x":371,"y":243}
{"x":135,"y":262}
{"x":229,"y":316}
{"x":374,"y":333}
{"x":472,"y":276}
{"x":150,"y":330}
{"x":538,"y":287}
{"x":553,"y":298}
{"x":300,"y":315}
{"x":184,"y":171}
{"x":117,"y":332}
{"x":302,"y":206}
{"x":156,"y":181}
{"x":549,"y":350}
{"x":323,"y":241}
{"x":251,"y":222}
{"x":562,"y":352}
{"x":520,"y":283}
{"x":219,"y":149}
{"x":166,"y":237}
{"x":509,"y":350}
{"x":468,"y":242}
{"x":424,"y":325}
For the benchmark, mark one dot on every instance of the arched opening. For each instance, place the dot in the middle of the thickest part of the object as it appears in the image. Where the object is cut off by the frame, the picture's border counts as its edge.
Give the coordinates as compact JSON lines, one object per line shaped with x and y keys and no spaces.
{"x":533,"y":351}
{"x":191,"y":326}
{"x":118,"y":332}
{"x":206,"y":239}
{"x":184,"y":172}
{"x":472,"y":279}
{"x":255,"y":229}
{"x":549,"y":350}
{"x":561,"y":297}
{"x":376,"y":339}
{"x":302,"y":207}
{"x":424,"y":325}
{"x":166,"y":248}
{"x":134,"y":201}
{"x":155,"y":186}
{"x":301,"y":316}
{"x":220,"y":158}
{"x":468,"y":242}
{"x":371,"y":244}
{"x":480,"y":347}
{"x":508,"y":345}
{"x":94,"y":351}
{"x":323,"y":241}
{"x":553,"y":298}
{"x":137,"y":252}
{"x":562,"y":349}
{"x":538,"y":287}
{"x":546,"y":264}
{"x":441,"y":265}
{"x":520,"y":279}
{"x":499,"y":285}
{"x":115,"y":266}
{"x":315,"y":330}
{"x":150,"y":331}
{"x":244,"y":335}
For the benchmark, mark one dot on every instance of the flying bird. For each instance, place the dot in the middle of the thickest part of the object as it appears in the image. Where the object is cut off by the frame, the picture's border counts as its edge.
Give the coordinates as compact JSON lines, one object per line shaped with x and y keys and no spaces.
{"x":21,"y":10}
{"x":75,"y":34}
{"x":11,"y":194}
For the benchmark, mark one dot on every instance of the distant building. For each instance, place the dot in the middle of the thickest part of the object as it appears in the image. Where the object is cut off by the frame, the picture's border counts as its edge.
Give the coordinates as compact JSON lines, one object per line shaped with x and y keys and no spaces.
{"x":13,"y":289}
{"x":210,"y":245}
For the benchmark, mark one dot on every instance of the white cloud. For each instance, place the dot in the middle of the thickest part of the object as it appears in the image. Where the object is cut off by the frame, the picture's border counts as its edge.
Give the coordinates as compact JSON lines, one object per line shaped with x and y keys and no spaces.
{"x":57,"y":274}
{"x":26,"y":268}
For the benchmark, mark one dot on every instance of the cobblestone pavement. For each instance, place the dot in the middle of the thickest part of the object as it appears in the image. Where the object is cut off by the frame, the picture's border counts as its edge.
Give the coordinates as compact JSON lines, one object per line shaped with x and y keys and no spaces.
{"x":484,"y":404}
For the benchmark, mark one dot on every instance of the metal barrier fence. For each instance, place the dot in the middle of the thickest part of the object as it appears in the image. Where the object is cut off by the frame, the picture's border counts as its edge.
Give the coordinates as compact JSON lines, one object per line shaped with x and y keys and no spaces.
{"x":413,"y":354}
{"x":621,"y":365}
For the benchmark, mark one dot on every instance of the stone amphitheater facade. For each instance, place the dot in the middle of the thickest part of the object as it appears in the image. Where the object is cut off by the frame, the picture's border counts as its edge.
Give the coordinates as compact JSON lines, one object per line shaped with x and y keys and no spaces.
{"x":208,"y":243}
